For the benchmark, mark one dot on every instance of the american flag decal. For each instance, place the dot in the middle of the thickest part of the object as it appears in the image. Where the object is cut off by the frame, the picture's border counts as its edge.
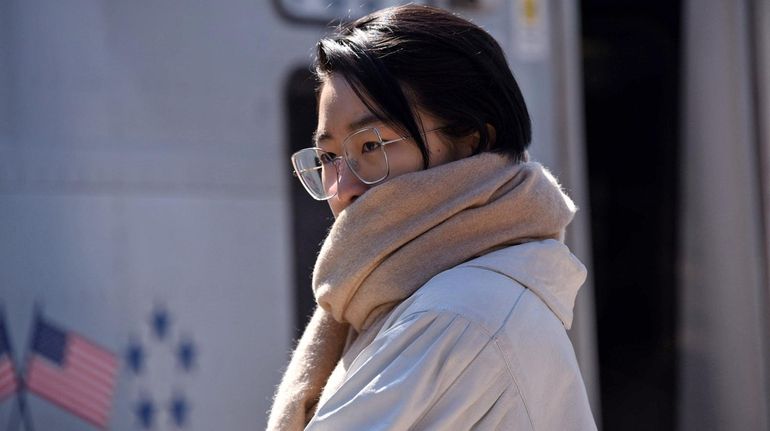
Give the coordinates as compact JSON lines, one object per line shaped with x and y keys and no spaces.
{"x":8,"y":381}
{"x":72,"y":372}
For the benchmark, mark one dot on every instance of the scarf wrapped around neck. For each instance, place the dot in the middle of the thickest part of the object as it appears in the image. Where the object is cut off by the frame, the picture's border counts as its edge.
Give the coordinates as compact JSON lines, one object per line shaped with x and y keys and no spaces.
{"x":395,"y":238}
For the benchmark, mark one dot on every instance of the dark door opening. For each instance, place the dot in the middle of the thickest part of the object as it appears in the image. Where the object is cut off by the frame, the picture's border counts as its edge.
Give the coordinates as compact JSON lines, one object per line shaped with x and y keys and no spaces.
{"x":631,"y":60}
{"x":311,"y":219}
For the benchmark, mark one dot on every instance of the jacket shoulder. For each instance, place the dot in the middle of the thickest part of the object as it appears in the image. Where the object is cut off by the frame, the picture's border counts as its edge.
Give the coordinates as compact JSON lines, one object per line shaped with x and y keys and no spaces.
{"x":480,"y":295}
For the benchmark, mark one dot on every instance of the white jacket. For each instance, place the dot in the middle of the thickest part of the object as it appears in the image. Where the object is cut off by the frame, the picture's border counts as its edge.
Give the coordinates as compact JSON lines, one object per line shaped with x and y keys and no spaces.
{"x":480,"y":346}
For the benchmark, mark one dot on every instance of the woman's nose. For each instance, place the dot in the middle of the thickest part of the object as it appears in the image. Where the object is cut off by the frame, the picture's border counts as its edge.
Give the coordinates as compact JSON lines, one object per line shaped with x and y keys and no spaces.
{"x":349,"y":187}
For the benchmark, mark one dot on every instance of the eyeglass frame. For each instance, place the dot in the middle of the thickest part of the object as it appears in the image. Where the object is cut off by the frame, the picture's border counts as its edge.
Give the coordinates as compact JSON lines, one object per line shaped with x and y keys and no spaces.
{"x":336,"y":160}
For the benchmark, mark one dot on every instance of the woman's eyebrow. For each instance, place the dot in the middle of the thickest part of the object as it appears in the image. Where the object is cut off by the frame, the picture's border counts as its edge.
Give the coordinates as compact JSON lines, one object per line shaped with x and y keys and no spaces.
{"x":320,"y":136}
{"x":365,"y":120}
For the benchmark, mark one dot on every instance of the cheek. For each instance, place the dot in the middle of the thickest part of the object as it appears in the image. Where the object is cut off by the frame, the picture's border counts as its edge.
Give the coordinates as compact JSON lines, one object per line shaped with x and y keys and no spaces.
{"x":408,"y":159}
{"x":440,"y":153}
{"x":439,"y":156}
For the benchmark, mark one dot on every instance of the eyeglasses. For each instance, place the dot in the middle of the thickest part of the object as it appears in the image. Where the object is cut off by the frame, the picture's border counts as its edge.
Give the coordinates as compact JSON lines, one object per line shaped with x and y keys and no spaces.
{"x":363,"y":152}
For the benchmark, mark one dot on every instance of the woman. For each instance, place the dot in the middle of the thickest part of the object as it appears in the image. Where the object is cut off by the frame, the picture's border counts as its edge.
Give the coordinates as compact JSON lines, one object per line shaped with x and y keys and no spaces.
{"x":444,"y":289}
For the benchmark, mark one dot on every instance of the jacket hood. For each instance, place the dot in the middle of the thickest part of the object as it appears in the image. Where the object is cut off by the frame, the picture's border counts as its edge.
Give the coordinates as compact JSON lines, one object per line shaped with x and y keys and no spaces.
{"x":547,"y":268}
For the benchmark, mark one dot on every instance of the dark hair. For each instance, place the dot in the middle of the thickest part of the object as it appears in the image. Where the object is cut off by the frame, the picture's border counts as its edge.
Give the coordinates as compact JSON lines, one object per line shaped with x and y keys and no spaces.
{"x":408,"y":57}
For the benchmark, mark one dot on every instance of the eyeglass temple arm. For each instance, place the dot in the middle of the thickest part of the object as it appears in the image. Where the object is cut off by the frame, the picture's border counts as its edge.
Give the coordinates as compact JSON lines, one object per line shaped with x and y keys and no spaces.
{"x":403,"y":138}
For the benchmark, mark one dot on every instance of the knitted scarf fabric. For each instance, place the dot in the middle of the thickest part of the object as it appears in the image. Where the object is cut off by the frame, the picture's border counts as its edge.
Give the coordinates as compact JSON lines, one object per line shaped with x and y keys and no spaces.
{"x":396,"y":237}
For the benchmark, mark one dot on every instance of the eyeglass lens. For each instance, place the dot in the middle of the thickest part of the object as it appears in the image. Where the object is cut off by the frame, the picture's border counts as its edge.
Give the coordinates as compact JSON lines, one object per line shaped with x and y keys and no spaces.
{"x":365,"y":157}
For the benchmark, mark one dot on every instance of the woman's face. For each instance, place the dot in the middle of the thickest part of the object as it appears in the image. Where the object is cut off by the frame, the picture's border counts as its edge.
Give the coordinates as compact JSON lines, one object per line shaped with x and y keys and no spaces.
{"x":341,"y":112}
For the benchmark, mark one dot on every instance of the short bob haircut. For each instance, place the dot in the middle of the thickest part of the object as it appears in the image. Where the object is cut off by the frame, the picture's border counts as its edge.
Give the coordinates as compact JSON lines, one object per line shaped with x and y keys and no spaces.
{"x":407,"y":57}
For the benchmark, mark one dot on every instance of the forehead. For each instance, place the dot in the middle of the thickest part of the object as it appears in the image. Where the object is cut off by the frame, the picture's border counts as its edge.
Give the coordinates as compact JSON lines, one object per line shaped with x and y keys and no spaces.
{"x":337,"y":99}
{"x":340,"y":110}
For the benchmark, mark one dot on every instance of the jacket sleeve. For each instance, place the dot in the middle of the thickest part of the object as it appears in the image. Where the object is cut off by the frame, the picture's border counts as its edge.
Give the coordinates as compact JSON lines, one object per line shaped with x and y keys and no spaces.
{"x":430,"y":370}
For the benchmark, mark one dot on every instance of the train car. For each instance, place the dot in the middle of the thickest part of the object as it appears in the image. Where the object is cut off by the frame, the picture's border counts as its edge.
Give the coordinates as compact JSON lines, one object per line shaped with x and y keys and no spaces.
{"x":155,"y":251}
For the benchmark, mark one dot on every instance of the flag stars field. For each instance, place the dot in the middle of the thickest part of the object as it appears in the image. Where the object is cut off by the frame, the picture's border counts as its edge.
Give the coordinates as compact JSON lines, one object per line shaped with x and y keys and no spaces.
{"x":135,"y":356}
{"x":178,"y":409}
{"x":186,"y":353}
{"x":160,"y":322}
{"x":163,"y":349}
{"x":145,"y":413}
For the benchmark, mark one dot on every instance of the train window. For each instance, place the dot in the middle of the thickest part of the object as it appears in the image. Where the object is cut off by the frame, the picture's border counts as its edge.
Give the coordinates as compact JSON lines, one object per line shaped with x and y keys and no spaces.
{"x":324,"y":11}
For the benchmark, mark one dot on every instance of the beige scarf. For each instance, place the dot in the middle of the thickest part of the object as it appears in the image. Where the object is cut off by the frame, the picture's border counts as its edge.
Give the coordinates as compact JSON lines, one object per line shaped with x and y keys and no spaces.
{"x":395,"y":238}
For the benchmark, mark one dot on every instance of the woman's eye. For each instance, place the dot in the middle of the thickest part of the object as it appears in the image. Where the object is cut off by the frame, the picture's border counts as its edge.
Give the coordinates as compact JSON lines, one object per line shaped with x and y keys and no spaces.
{"x":369,"y":146}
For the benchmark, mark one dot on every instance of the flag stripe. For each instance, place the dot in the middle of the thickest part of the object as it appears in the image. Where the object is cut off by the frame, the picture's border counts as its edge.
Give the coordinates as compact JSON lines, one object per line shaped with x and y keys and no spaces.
{"x":101,"y":380}
{"x":8,"y":384}
{"x":8,"y":387}
{"x":5,"y":366}
{"x":75,"y":404}
{"x":72,"y":404}
{"x":5,"y":391}
{"x":43,"y":374}
{"x":56,"y":391}
{"x":6,"y":371}
{"x":78,"y":358}
{"x":81,"y":388}
{"x":7,"y":381}
{"x":90,"y":350}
